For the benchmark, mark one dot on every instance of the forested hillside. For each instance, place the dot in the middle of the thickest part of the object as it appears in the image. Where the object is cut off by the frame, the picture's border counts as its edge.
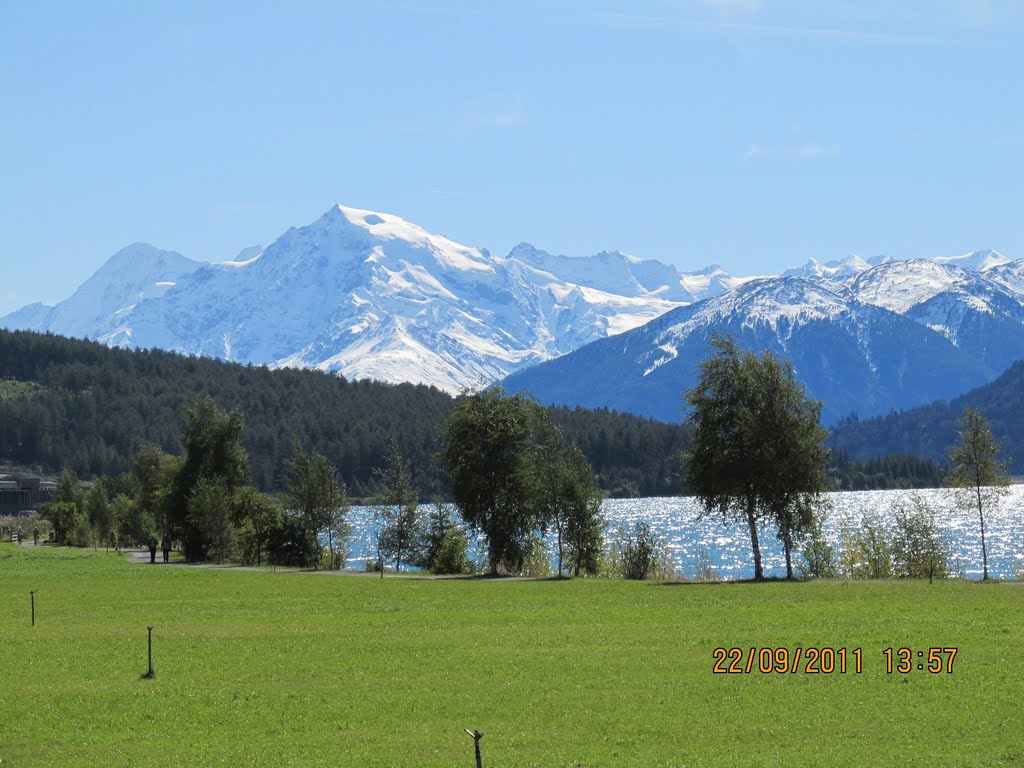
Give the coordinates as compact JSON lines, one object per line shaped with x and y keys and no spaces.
{"x":929,"y":430}
{"x":81,"y":405}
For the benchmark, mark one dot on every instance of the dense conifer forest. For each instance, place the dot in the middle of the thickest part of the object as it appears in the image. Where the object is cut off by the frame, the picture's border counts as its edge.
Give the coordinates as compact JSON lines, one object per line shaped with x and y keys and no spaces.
{"x":67,"y":403}
{"x":892,"y":471}
{"x":70,"y":403}
{"x":929,"y":430}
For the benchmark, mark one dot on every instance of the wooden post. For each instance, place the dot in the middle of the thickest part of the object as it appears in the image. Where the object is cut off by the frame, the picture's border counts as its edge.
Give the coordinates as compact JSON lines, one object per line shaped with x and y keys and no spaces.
{"x":152,"y":672}
{"x":33,"y":594}
{"x":476,"y":736}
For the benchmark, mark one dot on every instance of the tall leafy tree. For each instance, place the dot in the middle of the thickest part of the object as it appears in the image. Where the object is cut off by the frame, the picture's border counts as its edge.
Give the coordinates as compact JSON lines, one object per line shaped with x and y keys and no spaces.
{"x":99,"y":513}
{"x":791,"y":451}
{"x":758,"y":449}
{"x":209,"y":519}
{"x":255,"y":515}
{"x":567,"y":498}
{"x":214,"y":454}
{"x":67,"y":510}
{"x":318,"y":495}
{"x":485,"y":452}
{"x":396,"y":509}
{"x":154,"y":472}
{"x":978,"y":472}
{"x":444,"y":542}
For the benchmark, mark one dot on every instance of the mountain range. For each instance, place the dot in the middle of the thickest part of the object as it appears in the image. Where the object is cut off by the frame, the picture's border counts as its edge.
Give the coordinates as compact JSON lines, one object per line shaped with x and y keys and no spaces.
{"x":372,"y":296}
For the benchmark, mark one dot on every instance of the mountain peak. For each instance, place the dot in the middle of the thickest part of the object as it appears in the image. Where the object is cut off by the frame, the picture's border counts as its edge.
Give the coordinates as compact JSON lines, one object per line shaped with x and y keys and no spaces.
{"x":976,"y":261}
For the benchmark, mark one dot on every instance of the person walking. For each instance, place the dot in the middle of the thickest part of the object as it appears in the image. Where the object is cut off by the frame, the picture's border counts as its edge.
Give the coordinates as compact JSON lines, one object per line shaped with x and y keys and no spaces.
{"x":35,"y":536}
{"x":166,"y":547}
{"x":152,"y":549}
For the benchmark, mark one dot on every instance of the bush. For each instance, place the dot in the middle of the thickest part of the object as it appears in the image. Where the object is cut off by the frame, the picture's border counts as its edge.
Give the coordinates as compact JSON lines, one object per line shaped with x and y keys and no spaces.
{"x":289,"y":545}
{"x":819,"y":556}
{"x":450,"y":557}
{"x":919,"y":550}
{"x":537,"y":562}
{"x":873,"y":550}
{"x":642,"y":556}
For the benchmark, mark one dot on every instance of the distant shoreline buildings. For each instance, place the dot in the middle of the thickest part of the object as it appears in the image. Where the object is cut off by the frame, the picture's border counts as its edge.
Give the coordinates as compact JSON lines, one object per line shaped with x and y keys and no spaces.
{"x":23,"y":494}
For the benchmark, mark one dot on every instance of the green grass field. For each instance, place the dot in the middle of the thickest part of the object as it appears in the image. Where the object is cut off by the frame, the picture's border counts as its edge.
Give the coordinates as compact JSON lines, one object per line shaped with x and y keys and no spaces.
{"x":278,"y":669}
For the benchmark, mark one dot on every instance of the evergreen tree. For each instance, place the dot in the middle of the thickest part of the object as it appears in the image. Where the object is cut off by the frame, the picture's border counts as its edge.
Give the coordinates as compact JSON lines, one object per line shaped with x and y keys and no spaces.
{"x":444,"y":544}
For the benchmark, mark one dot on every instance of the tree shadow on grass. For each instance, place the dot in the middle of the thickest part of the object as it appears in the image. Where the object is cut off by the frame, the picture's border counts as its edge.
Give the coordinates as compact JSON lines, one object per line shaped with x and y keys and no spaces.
{"x":720,"y":582}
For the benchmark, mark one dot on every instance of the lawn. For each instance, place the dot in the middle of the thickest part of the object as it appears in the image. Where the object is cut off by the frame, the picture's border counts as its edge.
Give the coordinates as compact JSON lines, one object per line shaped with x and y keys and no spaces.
{"x":278,"y":669}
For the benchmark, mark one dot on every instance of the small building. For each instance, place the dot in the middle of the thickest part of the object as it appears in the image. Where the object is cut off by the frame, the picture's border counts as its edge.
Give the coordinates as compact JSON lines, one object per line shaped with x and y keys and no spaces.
{"x":23,"y":494}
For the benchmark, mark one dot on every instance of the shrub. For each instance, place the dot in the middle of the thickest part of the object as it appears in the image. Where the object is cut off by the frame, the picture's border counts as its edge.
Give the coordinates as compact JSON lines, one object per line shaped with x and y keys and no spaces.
{"x":537,"y":562}
{"x":450,"y":557}
{"x":919,"y":550}
{"x":819,"y":556}
{"x":642,"y":556}
{"x":874,"y":550}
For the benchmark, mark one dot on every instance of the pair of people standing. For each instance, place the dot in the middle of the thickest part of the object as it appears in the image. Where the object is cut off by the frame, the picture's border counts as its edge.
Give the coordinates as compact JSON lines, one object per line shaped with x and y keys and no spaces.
{"x":165,"y":547}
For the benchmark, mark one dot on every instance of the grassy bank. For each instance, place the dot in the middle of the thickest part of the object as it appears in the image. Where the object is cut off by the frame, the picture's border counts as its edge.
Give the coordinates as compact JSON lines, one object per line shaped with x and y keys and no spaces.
{"x":275,"y":669}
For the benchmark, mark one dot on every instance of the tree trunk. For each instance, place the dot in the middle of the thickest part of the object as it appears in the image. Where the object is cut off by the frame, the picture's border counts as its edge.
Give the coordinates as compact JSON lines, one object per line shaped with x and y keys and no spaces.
{"x":787,"y":544}
{"x":559,"y":526}
{"x":752,"y":523}
{"x":984,"y":551}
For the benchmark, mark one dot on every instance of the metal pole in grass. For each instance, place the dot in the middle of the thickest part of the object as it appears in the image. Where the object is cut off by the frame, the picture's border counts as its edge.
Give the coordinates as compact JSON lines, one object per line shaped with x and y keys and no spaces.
{"x":33,"y":594}
{"x":476,"y":736}
{"x":151,"y":673}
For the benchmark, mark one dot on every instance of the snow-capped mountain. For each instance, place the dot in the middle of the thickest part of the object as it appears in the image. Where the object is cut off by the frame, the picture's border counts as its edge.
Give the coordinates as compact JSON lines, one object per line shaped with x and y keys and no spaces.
{"x":830,"y":271}
{"x":622,"y":274}
{"x":371,"y":295}
{"x":977,"y":312}
{"x":130,"y":276}
{"x":854,"y":356}
{"x":978,"y":261}
{"x":368,"y":295}
{"x":893,"y":335}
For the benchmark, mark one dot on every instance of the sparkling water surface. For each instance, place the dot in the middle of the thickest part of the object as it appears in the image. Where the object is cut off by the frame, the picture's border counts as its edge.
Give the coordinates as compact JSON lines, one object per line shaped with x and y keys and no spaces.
{"x":692,"y":538}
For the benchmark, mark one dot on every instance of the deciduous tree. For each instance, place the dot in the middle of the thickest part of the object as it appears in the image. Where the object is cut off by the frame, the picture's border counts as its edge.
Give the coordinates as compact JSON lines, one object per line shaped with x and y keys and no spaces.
{"x":978,"y":473}
{"x":758,"y":449}
{"x":485,"y":452}
{"x":396,"y":509}
{"x":213,"y":453}
{"x":318,"y":495}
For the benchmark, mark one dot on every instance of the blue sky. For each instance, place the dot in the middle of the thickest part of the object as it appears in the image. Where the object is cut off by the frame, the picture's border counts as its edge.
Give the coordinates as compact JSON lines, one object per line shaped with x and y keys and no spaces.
{"x":750,"y":133}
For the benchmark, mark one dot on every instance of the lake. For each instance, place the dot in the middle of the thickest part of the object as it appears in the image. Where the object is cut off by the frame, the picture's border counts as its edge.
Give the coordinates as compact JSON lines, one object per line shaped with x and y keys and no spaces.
{"x":727,"y":546}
